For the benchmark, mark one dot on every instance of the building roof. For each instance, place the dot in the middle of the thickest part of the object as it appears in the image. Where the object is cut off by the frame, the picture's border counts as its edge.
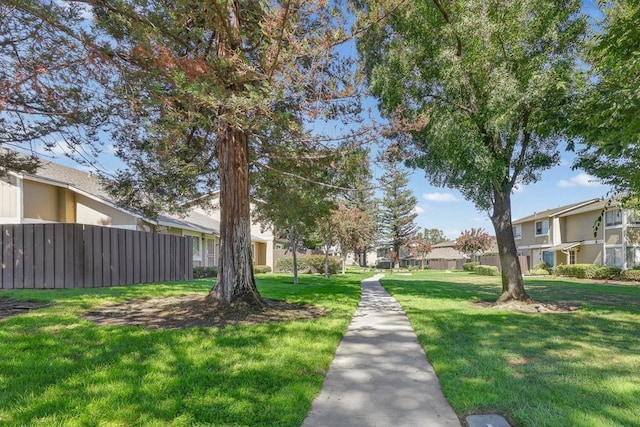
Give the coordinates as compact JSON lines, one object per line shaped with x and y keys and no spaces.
{"x":559,"y":211}
{"x":89,"y":184}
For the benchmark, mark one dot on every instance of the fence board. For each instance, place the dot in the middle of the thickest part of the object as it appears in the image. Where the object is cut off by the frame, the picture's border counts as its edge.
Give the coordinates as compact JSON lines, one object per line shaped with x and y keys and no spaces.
{"x":78,"y":256}
{"x":49,"y":257}
{"x":18,"y":255}
{"x":97,"y":257}
{"x":129,"y":252}
{"x":89,"y":248}
{"x":122,"y":258}
{"x":114,"y":268}
{"x":29,"y":264}
{"x":6,"y":258}
{"x":143,"y":257}
{"x":136,"y":256}
{"x":58,"y":255}
{"x":149,"y":256}
{"x":68,"y":273}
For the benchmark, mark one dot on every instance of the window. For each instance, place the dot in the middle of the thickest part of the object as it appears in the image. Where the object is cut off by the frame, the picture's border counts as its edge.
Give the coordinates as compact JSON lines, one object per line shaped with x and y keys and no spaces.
{"x":613,"y":257}
{"x":633,"y":218}
{"x":542,"y":227}
{"x":517,"y":231}
{"x":633,"y":256}
{"x":196,"y":247}
{"x":613,"y":217}
{"x":573,"y":257}
{"x":548,"y":258}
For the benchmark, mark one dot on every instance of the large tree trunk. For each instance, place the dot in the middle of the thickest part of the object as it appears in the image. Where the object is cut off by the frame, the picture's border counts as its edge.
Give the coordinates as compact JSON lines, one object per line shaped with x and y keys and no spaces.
{"x":235,"y":270}
{"x":512,"y":282}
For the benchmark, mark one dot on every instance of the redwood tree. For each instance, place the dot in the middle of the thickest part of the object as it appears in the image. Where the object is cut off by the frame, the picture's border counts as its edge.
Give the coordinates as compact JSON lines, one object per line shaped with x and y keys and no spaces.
{"x":203,"y":92}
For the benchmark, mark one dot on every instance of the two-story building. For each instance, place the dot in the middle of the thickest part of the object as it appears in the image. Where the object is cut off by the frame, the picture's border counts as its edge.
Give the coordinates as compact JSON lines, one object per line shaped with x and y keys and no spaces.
{"x":595,"y":231}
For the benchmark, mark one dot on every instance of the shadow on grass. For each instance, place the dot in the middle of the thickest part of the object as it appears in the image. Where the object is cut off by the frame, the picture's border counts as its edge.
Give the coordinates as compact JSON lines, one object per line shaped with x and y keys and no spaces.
{"x":56,"y":369}
{"x":537,"y":369}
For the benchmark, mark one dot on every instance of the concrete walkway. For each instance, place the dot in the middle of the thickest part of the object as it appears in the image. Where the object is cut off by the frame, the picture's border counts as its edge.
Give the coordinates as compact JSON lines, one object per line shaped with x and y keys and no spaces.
{"x":380,"y":375}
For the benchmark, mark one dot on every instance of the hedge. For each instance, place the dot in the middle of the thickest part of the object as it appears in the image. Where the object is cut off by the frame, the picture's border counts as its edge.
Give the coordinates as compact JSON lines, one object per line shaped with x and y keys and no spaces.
{"x":470,"y":266}
{"x":202,"y":272}
{"x":587,"y":271}
{"x":309,"y":264}
{"x":260,"y":269}
{"x":487,"y":270}
{"x":537,"y":272}
{"x":631,"y":274}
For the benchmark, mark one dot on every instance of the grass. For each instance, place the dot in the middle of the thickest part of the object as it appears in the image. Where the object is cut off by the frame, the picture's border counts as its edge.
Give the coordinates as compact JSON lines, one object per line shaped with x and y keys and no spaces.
{"x":57,"y":369}
{"x":577,"y":369}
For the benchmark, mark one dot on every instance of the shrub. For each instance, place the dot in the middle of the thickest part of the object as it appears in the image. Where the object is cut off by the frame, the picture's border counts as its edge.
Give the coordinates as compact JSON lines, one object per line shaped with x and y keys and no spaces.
{"x":543,"y":266}
{"x":487,"y":270}
{"x":202,"y":272}
{"x":631,"y":274}
{"x":587,"y":271}
{"x":537,"y":272}
{"x":309,"y":264}
{"x":470,"y":266}
{"x":261,"y":269}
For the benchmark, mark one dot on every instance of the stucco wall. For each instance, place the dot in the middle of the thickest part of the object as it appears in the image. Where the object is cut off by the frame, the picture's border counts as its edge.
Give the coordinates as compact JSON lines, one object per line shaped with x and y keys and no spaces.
{"x":89,"y":211}
{"x":580,"y":227}
{"x":40,"y":201}
{"x":590,"y":254}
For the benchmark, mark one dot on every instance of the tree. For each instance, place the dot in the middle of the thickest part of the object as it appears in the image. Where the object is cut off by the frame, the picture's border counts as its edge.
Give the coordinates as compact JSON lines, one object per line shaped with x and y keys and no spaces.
{"x":41,"y":104}
{"x":477,"y":94}
{"x":608,"y":114}
{"x":434,"y":236}
{"x":397,"y":208}
{"x":202,"y":93}
{"x":362,"y":197}
{"x":420,"y":247}
{"x":472,"y":241}
{"x":292,"y":204}
{"x":353,"y":229}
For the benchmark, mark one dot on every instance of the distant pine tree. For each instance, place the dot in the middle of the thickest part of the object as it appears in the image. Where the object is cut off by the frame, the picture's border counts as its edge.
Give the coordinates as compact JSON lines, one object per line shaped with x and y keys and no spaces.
{"x":397,"y":214}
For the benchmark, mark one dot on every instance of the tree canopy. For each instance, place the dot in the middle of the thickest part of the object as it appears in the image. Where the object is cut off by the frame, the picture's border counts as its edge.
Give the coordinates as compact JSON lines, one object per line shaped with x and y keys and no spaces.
{"x":201,"y":95}
{"x":477,"y":92}
{"x":608,"y":114}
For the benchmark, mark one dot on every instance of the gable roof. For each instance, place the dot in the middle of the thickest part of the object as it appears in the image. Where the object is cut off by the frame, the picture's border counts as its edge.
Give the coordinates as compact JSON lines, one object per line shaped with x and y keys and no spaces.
{"x":559,"y":211}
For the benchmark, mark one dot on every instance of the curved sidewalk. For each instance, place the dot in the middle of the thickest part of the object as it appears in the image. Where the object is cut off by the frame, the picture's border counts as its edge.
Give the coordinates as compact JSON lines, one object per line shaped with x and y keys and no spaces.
{"x":380,"y":375}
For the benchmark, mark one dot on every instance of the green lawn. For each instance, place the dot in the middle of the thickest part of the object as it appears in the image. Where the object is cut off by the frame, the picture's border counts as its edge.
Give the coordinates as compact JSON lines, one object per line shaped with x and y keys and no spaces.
{"x":58,"y":369}
{"x":577,"y":369}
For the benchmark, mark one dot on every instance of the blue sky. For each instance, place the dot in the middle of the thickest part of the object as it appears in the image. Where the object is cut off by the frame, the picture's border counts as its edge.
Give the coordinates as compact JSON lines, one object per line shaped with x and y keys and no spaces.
{"x":446,"y":209}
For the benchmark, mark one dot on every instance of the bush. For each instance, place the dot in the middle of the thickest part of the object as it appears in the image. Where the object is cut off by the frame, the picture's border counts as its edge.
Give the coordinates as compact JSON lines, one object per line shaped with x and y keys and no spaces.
{"x":587,"y":271}
{"x":470,"y":266}
{"x":309,"y":264}
{"x":537,"y":272}
{"x":631,"y":274}
{"x":261,"y":269}
{"x":203,"y":272}
{"x":543,"y":266}
{"x":487,"y":270}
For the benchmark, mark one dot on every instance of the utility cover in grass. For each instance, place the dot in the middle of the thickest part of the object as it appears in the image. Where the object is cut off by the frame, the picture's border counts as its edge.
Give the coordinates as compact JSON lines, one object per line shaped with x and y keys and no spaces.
{"x":487,"y":421}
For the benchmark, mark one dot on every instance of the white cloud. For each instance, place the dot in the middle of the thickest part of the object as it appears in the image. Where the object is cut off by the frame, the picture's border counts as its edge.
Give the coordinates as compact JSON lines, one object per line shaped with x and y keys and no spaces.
{"x":582,"y":179}
{"x":440,"y":197}
{"x":418,"y":210}
{"x":517,"y":189}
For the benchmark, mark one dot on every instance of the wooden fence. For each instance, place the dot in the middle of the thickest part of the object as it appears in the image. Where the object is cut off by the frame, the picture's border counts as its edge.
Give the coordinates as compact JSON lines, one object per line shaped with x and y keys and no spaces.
{"x":51,"y":256}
